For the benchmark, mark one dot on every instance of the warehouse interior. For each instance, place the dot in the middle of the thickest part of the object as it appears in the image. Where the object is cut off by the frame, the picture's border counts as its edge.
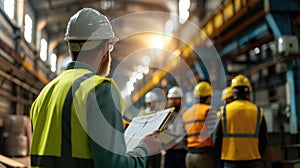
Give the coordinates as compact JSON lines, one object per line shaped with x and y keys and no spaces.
{"x":257,"y":38}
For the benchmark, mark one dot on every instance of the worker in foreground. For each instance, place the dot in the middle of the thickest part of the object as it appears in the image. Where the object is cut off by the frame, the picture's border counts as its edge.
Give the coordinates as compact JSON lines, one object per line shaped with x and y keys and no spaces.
{"x":201,"y":150}
{"x":77,"y":118}
{"x":241,"y":134}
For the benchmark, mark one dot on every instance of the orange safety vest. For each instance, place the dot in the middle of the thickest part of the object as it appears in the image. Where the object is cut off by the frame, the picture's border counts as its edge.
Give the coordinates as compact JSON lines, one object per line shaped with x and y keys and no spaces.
{"x":194,"y":123}
{"x":241,"y":121}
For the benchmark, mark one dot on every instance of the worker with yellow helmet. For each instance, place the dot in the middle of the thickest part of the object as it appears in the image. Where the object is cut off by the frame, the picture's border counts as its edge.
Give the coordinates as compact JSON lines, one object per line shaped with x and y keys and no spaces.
{"x":241,"y":135}
{"x":201,"y":152}
{"x":227,"y":97}
{"x":76,"y":119}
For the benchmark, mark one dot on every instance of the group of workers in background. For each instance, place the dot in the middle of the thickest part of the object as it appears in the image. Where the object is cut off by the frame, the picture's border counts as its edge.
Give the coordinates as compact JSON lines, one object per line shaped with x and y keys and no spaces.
{"x":77,"y":117}
{"x":238,"y":140}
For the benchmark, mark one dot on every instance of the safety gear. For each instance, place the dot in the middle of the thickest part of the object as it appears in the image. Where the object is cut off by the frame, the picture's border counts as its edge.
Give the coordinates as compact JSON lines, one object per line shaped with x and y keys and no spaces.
{"x":64,"y":108}
{"x":220,"y":112}
{"x":227,"y":93}
{"x":194,"y":123}
{"x":174,"y":92}
{"x":150,"y":97}
{"x":203,"y":89}
{"x":241,"y":121}
{"x":241,"y":80}
{"x":89,"y":24}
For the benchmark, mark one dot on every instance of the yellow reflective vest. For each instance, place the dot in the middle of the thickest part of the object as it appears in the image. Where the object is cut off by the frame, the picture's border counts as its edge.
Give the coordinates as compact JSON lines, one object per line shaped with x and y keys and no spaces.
{"x":241,"y":121}
{"x":194,"y":122}
{"x":58,"y":118}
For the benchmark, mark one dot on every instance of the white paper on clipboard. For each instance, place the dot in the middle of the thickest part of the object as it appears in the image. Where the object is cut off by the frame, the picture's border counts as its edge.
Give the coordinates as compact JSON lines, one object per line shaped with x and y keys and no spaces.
{"x":144,"y":125}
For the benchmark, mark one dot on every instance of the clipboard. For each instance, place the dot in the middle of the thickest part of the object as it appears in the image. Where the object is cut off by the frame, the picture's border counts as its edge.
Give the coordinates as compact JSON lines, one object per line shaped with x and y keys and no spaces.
{"x":166,"y":138}
{"x":144,"y":125}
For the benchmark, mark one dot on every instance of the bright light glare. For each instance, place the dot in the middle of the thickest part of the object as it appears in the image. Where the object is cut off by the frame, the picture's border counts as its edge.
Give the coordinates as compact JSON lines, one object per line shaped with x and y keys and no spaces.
{"x":184,"y":6}
{"x":9,"y":8}
{"x":53,"y":59}
{"x":146,"y":60}
{"x":124,"y":93}
{"x":183,"y":16}
{"x":43,"y":50}
{"x":158,"y":42}
{"x":143,"y":69}
{"x":140,"y":68}
{"x":177,"y":52}
{"x":28,"y":28}
{"x":169,"y":27}
{"x":129,"y":87}
{"x":146,"y":70}
{"x":257,"y":50}
{"x":140,"y":76}
{"x":132,"y":79}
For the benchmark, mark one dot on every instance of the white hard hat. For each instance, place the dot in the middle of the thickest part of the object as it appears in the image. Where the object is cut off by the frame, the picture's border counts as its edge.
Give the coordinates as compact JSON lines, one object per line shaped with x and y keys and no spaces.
{"x":89,"y":24}
{"x":150,"y":97}
{"x":175,"y":92}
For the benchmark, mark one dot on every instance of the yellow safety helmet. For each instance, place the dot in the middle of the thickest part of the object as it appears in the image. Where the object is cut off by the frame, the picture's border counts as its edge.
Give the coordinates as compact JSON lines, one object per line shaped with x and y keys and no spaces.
{"x":241,"y":80}
{"x":203,"y":89}
{"x":227,"y":93}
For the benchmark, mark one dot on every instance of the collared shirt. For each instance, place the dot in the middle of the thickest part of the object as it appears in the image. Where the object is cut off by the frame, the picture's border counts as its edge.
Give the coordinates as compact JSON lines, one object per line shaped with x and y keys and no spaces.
{"x":77,"y":64}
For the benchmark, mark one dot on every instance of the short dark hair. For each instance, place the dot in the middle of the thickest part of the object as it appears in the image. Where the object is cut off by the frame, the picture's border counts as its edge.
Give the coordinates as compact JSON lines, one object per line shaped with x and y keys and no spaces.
{"x":201,"y":99}
{"x":75,"y":54}
{"x":241,"y":91}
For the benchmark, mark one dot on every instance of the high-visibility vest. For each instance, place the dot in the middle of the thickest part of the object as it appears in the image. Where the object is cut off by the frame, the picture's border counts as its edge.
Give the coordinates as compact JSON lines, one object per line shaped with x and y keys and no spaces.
{"x":60,"y":131}
{"x":241,"y":121}
{"x":194,"y":122}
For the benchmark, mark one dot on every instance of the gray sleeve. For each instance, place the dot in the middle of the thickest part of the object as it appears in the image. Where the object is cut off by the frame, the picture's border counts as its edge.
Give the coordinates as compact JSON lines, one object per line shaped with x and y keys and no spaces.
{"x":106,"y":131}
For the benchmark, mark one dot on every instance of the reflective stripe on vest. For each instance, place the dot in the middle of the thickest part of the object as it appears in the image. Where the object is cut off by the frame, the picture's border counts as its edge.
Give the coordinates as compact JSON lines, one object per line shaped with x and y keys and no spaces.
{"x":236,"y":135}
{"x":240,"y":126}
{"x":50,"y":127}
{"x":194,"y":124}
{"x":66,"y":149}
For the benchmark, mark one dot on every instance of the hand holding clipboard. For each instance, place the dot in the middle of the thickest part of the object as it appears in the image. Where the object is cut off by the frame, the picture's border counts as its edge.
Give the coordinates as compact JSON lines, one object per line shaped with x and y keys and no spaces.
{"x":142,"y":126}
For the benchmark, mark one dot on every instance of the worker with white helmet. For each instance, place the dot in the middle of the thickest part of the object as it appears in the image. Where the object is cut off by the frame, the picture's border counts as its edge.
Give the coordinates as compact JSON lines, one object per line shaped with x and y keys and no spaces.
{"x":241,"y":136}
{"x":152,"y":105}
{"x":201,"y":150}
{"x":76,"y":118}
{"x":176,"y":151}
{"x":152,"y":102}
